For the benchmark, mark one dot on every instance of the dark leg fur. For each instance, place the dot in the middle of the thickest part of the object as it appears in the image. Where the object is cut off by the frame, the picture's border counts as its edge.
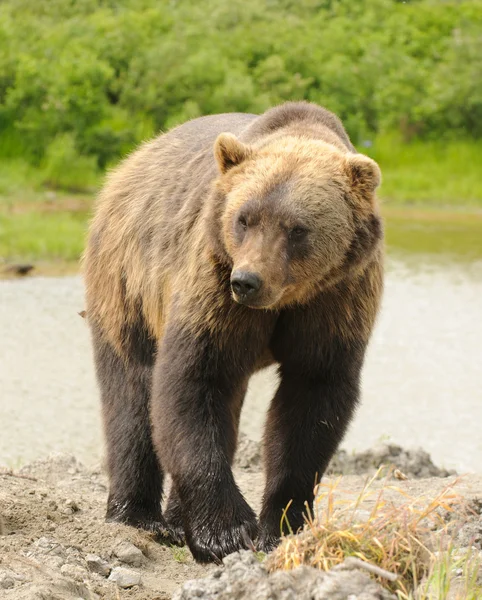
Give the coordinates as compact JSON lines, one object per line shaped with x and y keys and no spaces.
{"x":307,"y":419}
{"x":197,"y":391}
{"x":134,"y":471}
{"x":173,"y":512}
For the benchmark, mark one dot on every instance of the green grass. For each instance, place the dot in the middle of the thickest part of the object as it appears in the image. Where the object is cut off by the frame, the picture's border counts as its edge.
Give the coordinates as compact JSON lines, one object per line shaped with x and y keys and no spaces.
{"x":431,"y":196}
{"x":40,"y":222}
{"x":453,"y":575}
{"x":42,"y":236}
{"x":180,"y":554}
{"x":439,"y":233}
{"x":438,"y":174}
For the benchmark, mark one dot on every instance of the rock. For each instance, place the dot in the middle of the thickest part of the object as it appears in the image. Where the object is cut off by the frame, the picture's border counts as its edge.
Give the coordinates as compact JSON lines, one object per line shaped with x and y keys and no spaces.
{"x":96,"y":564}
{"x":6,"y":582}
{"x":125,"y":578}
{"x":244,"y":578}
{"x":129,"y":554}
{"x":49,"y":546}
{"x":19,"y":269}
{"x":74,"y":572}
{"x":72,"y":505}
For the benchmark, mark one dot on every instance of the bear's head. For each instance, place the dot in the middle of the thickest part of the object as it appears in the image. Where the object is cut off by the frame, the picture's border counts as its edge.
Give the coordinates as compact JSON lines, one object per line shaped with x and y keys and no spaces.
{"x":294,"y":216}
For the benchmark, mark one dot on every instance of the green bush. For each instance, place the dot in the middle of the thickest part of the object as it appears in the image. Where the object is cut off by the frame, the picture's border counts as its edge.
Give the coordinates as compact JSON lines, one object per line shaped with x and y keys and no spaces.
{"x":96,"y":77}
{"x":65,"y":168}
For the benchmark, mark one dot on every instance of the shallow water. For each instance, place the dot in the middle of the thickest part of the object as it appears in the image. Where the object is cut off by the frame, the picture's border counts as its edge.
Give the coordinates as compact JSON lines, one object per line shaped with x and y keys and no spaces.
{"x":421,"y":383}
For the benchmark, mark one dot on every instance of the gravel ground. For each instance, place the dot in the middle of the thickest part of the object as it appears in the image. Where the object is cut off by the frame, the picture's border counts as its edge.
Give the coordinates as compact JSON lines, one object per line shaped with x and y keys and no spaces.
{"x":421,"y":384}
{"x":55,"y":544}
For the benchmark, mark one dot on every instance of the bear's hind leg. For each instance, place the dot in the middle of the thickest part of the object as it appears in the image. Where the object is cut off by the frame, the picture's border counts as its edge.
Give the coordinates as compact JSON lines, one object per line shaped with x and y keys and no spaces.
{"x":173,"y":514}
{"x":135,"y":475}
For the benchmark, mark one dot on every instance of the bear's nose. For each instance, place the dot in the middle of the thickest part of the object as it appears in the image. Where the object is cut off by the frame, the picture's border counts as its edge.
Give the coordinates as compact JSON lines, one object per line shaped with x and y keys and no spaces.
{"x":245,"y":284}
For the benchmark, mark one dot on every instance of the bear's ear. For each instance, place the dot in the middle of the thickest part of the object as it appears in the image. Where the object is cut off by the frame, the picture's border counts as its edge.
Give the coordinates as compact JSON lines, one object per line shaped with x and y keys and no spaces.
{"x":229,"y":151}
{"x":364,"y":173}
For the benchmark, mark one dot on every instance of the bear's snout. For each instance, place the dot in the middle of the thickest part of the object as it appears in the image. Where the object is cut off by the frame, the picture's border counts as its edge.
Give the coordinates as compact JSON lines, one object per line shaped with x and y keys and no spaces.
{"x":245,"y":285}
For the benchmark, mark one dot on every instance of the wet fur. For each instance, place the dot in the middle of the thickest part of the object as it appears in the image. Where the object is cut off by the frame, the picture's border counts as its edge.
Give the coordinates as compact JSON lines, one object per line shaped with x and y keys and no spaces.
{"x":174,"y":352}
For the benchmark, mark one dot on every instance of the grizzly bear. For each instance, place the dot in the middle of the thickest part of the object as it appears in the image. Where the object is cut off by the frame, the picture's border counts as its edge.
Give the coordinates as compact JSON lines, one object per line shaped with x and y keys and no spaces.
{"x":230,"y":243}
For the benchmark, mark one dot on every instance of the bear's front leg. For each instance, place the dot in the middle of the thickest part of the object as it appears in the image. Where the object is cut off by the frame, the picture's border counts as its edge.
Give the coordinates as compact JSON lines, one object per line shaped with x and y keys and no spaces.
{"x":196,"y":392}
{"x":306,"y":421}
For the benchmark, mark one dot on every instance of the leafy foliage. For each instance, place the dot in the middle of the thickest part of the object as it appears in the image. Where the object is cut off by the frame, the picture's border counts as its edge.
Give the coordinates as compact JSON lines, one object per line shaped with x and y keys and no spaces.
{"x":98,"y":76}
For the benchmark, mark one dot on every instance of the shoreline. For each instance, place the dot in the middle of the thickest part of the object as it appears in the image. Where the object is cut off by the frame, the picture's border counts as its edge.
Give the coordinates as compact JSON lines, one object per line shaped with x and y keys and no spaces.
{"x":57,"y":540}
{"x":442,"y":233}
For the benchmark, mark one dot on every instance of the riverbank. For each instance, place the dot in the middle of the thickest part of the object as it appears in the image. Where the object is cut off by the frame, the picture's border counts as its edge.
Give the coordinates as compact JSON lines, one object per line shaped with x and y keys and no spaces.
{"x":431,"y":198}
{"x":55,"y":542}
{"x":421,"y":382}
{"x":51,"y":241}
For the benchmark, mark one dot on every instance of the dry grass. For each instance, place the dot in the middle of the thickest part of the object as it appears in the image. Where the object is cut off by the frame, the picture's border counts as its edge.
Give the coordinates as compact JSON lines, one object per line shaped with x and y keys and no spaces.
{"x":382,"y":527}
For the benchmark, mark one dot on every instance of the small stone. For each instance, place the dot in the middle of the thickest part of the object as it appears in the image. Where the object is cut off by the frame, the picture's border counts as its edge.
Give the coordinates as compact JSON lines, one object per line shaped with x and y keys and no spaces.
{"x":70,"y":507}
{"x":6,"y":582}
{"x":53,"y":562}
{"x":72,"y":504}
{"x":74,"y":572}
{"x":97,"y":565}
{"x":129,"y":554}
{"x":125,"y":578}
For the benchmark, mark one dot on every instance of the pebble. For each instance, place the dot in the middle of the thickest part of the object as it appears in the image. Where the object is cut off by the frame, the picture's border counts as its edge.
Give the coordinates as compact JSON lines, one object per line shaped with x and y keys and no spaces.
{"x":72,"y":504}
{"x":6,"y":582}
{"x":70,"y":507}
{"x":125,"y":578}
{"x":128,"y":553}
{"x":75,"y":572}
{"x":50,"y":546}
{"x":97,"y":565}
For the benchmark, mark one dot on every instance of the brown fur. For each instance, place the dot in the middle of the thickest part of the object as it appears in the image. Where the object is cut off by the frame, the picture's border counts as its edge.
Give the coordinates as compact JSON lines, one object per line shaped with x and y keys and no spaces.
{"x":284,"y":196}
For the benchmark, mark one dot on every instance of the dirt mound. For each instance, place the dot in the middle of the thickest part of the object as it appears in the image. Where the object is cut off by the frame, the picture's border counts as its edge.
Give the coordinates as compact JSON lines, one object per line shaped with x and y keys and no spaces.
{"x":56,"y":545}
{"x":414,"y":463}
{"x":468,"y":534}
{"x":244,"y":578}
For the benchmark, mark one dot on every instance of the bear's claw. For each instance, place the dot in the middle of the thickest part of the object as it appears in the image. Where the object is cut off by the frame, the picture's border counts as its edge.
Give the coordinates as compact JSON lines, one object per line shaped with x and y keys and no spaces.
{"x":157,"y":526}
{"x":267,"y":541}
{"x":213,"y":547}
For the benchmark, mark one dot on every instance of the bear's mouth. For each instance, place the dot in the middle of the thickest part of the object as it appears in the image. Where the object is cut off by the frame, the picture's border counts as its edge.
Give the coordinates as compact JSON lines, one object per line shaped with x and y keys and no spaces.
{"x":256,"y":303}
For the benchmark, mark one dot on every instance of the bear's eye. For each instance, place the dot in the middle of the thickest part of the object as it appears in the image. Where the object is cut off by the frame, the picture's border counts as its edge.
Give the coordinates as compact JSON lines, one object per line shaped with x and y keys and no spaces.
{"x":242,"y":221}
{"x":298,"y":232}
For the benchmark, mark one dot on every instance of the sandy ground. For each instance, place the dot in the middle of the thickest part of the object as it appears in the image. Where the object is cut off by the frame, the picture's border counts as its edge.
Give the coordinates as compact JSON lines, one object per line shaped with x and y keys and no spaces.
{"x":57,"y":546}
{"x":421,"y":383}
{"x":421,"y":386}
